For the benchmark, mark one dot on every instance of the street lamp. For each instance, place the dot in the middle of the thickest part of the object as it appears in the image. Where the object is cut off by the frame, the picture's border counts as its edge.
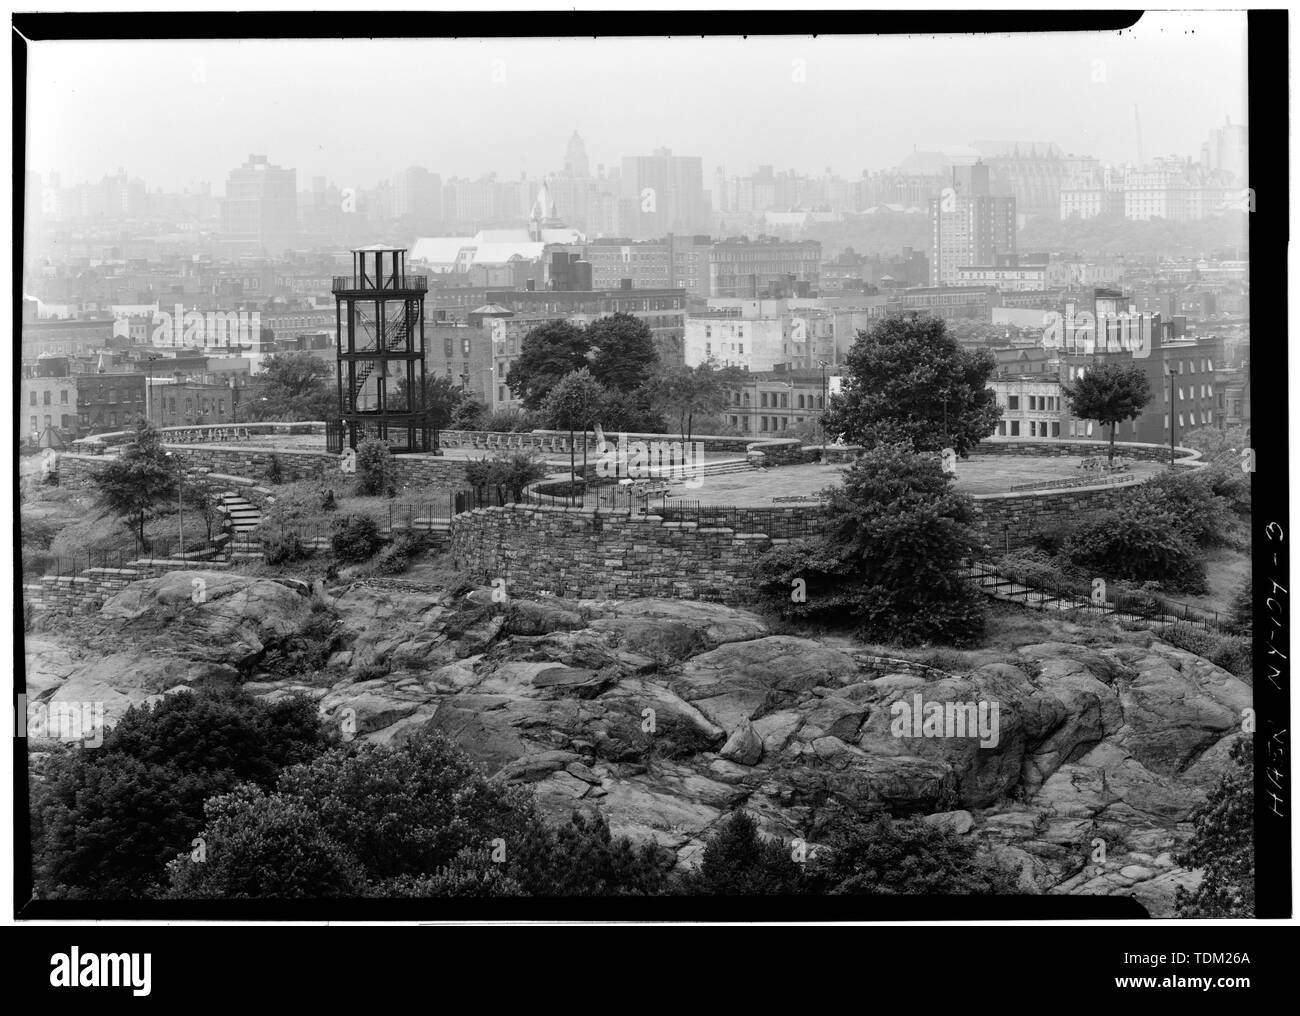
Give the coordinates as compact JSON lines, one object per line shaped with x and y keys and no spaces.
{"x":821,"y":417}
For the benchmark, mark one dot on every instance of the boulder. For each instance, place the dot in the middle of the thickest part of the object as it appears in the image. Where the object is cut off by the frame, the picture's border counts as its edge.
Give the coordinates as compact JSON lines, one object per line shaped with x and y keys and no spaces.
{"x":744,"y":746}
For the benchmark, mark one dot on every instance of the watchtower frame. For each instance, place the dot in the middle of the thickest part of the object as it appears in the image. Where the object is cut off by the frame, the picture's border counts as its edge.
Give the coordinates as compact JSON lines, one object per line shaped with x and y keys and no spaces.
{"x":379,"y":318}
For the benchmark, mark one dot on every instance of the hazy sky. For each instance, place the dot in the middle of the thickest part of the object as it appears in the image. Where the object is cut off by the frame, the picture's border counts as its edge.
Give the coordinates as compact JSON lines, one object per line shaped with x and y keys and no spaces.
{"x":357,"y":111}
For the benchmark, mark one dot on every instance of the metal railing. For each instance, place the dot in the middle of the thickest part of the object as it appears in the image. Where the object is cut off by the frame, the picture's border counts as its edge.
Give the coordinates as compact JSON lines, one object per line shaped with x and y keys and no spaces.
{"x":383,"y":284}
{"x":1060,"y":595}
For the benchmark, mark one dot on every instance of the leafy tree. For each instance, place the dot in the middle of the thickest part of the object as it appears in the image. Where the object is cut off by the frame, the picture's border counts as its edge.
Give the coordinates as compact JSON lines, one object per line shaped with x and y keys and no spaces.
{"x":437,"y":396}
{"x":1109,"y":393}
{"x":880,"y":856}
{"x":908,"y":380}
{"x":631,"y":412}
{"x":890,"y":559}
{"x":683,"y":393}
{"x":1214,"y":443}
{"x":577,"y":398}
{"x":139,"y":480}
{"x":624,"y":351}
{"x":198,"y":499}
{"x":548,"y":353}
{"x":1223,"y":844}
{"x":264,"y":846}
{"x":112,"y":816}
{"x":295,"y":386}
{"x":469,"y":415}
{"x":376,"y":471}
{"x":737,"y":861}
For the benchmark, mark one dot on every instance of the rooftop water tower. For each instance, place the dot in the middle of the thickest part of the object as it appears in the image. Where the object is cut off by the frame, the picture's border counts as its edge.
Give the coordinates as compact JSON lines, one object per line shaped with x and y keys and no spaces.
{"x":380,"y":321}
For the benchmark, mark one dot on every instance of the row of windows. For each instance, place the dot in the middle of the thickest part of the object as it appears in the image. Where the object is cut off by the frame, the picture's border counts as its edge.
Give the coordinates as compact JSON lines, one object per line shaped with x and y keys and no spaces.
{"x":1036,"y":403}
{"x":45,"y":397}
{"x":1036,"y":428}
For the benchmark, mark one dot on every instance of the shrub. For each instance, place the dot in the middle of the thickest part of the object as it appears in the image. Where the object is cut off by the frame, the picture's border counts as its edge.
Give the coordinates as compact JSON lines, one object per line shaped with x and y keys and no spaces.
{"x":1138,"y":541}
{"x":1202,"y":517}
{"x":258,"y":846}
{"x":1190,"y":638}
{"x":509,"y":421}
{"x":1051,"y":537}
{"x":890,"y":561}
{"x":281,"y":545}
{"x":274,"y":473}
{"x":327,"y":502}
{"x":737,"y":861}
{"x":376,"y":471}
{"x":110,"y":818}
{"x":396,"y":557}
{"x":882,"y":856}
{"x":355,"y":538}
{"x":1241,"y":612}
{"x":1232,"y":652}
{"x":1223,"y":844}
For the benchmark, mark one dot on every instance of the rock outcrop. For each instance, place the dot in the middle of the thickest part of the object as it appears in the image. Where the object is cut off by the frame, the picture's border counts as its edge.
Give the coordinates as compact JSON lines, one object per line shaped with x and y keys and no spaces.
{"x":664,"y":715}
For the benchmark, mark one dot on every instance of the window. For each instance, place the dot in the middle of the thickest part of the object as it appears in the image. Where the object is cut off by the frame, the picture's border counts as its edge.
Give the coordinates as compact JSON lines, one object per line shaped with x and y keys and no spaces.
{"x":32,"y":402}
{"x":1180,"y":420}
{"x":1056,"y":429}
{"x":1002,"y":428}
{"x":45,"y":397}
{"x":762,"y":401}
{"x":1013,"y":401}
{"x":63,"y":396}
{"x":1015,"y":428}
{"x":36,"y":427}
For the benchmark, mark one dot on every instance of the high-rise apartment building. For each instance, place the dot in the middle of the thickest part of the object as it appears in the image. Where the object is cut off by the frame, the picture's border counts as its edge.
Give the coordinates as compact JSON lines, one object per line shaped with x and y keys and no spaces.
{"x":261,"y":204}
{"x":969,"y":225}
{"x":663,"y":193}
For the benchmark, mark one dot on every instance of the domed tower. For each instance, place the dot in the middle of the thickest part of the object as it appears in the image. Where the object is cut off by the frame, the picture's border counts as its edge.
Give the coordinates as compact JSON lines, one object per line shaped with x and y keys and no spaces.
{"x":379,"y":314}
{"x":575,"y":157}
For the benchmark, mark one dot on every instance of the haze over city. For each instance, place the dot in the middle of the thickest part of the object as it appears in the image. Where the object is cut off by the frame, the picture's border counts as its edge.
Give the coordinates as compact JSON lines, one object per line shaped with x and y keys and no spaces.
{"x":174,"y":113}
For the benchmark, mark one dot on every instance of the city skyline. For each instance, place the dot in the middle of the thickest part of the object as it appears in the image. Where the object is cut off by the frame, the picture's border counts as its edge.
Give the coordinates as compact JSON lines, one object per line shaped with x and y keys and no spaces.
{"x":221,"y":101}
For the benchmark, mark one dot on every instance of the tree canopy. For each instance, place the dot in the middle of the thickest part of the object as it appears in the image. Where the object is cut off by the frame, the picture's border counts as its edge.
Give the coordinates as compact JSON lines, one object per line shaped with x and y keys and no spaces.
{"x":889,"y":562}
{"x":295,"y":386}
{"x":1109,"y":393}
{"x":547,"y":354}
{"x":682,"y":393}
{"x":909,"y":381}
{"x":138,"y":480}
{"x":623,"y":351}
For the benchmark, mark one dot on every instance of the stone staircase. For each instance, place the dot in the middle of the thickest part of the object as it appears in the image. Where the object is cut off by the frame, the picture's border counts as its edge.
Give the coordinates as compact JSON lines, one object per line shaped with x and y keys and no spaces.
{"x":244,"y":515}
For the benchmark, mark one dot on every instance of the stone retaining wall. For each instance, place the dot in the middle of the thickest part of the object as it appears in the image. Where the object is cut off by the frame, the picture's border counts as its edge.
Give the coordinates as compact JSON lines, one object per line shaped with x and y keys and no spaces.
{"x":1007,"y":522}
{"x":605,"y":555}
{"x":78,"y":594}
{"x":435,"y":471}
{"x":1083,"y":447}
